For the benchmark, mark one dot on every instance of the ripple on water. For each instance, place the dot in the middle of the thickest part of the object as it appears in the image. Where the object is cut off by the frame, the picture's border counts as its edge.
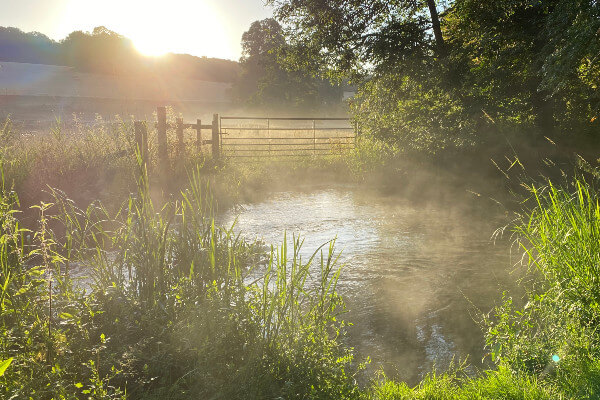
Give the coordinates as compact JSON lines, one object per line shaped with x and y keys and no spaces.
{"x":411,"y":272}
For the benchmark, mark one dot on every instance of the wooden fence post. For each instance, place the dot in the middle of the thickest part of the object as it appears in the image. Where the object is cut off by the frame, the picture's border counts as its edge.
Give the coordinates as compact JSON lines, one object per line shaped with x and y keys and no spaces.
{"x":141,"y":141}
{"x":180,"y":143}
{"x":163,"y":155}
{"x":215,"y":137}
{"x":199,"y":136}
{"x":314,"y":138}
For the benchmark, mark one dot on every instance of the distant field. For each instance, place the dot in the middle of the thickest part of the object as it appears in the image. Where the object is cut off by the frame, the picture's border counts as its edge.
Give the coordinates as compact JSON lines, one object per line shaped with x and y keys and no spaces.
{"x":36,"y":94}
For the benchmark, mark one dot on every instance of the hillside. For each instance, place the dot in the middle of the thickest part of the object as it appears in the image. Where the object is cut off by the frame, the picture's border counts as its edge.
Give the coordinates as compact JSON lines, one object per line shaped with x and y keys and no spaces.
{"x":21,"y":79}
{"x":100,"y":72}
{"x":106,"y":52}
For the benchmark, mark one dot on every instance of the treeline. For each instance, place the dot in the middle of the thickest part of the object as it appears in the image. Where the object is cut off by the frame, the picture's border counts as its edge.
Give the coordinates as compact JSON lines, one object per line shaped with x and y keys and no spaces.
{"x":106,"y":52}
{"x":445,"y":76}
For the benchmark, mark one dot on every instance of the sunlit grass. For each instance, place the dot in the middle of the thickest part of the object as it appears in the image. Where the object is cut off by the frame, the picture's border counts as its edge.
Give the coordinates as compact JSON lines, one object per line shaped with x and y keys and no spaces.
{"x":170,"y":311}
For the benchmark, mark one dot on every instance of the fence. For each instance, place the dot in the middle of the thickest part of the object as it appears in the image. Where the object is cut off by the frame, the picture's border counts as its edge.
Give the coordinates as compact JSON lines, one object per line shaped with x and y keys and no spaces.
{"x":250,"y":137}
{"x":141,"y":136}
{"x":259,"y":137}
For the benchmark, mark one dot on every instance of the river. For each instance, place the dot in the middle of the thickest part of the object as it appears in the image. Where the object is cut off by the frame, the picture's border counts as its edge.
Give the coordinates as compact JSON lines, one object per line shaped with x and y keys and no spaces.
{"x":414,"y":276}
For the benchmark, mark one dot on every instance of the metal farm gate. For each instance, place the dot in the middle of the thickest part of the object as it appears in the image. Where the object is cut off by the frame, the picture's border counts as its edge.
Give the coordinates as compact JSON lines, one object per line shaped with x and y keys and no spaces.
{"x":259,"y":137}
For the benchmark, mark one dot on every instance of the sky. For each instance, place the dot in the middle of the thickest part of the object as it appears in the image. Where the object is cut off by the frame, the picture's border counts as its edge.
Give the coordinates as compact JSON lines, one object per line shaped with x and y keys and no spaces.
{"x":211,"y":28}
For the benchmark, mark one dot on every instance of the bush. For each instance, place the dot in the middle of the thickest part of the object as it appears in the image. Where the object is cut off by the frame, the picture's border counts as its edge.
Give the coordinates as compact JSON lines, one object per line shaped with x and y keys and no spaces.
{"x":417,"y":117}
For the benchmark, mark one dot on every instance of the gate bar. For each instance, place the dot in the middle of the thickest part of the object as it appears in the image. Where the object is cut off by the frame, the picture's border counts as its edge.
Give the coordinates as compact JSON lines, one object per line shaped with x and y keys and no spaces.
{"x":291,"y":119}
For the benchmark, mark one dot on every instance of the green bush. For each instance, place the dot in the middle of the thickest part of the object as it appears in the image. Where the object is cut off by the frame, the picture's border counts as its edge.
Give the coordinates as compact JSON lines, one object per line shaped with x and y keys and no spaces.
{"x":417,"y":116}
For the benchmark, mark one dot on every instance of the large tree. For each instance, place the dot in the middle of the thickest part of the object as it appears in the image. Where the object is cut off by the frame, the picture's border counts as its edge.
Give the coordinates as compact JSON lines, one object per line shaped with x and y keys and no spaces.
{"x":452,"y":80}
{"x":269,"y":79}
{"x":353,"y":35}
{"x":530,"y":59}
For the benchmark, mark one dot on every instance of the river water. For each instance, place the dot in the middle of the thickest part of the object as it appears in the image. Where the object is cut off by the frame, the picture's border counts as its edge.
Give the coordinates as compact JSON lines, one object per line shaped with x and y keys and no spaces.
{"x":414,"y":274}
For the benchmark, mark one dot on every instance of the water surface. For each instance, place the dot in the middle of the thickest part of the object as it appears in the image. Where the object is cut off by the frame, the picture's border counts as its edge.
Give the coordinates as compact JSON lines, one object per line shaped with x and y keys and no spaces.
{"x":414,"y":274}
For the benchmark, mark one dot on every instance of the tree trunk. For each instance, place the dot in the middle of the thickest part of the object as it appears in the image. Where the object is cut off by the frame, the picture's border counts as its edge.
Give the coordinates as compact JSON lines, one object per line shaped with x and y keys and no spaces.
{"x":437,"y":30}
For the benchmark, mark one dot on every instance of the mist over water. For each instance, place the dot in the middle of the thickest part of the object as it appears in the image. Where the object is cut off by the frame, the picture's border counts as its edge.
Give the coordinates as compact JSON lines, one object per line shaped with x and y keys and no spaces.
{"x":413,"y":276}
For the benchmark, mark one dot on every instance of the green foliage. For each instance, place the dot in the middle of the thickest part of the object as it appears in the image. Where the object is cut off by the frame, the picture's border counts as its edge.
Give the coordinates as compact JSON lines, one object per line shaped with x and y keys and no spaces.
{"x":351,"y":36}
{"x":507,"y":67}
{"x":417,"y":116}
{"x":270,"y":78}
{"x":369,"y":156}
{"x":499,"y":384}
{"x":564,"y":230}
{"x":524,"y":62}
{"x":520,"y":61}
{"x":173,"y":307}
{"x":4,"y":365}
{"x":554,"y":334}
{"x":571,"y":69}
{"x":36,"y":340}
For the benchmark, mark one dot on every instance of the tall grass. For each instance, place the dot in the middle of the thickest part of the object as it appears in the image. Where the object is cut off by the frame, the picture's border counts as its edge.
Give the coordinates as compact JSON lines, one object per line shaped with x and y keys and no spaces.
{"x":170,"y":311}
{"x":87,"y":161}
{"x":563,"y":234}
{"x":554,"y":335}
{"x":498,"y":384}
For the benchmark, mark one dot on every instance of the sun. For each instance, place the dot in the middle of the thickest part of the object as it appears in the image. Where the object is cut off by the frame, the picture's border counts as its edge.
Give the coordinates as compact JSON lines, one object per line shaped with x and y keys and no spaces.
{"x":176,"y":29}
{"x":157,"y":27}
{"x":150,"y":45}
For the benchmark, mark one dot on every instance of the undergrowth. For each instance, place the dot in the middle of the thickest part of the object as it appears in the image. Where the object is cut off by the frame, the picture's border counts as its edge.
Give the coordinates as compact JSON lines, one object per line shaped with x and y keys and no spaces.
{"x":150,"y":299}
{"x":95,"y":161}
{"x":169,"y":311}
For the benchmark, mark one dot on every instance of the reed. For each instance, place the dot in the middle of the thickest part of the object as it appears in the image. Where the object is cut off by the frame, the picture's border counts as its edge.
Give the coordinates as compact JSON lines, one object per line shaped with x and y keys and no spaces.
{"x":563,"y":237}
{"x":170,"y":306}
{"x":553,"y":334}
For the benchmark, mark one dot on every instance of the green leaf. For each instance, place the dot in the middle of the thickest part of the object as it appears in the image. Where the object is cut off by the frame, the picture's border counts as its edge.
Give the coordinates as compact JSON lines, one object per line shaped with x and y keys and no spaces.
{"x":4,"y":365}
{"x":79,"y":385}
{"x":65,"y":315}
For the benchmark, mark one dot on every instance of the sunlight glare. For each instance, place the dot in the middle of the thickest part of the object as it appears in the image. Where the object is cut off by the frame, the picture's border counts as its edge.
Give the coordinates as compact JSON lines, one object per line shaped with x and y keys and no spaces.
{"x":158,"y":27}
{"x":151,"y":45}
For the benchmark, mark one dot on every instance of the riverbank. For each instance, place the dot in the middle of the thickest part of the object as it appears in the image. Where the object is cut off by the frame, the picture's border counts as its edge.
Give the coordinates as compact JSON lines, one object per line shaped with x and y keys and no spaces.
{"x":97,"y":161}
{"x":166,"y":329}
{"x":173,"y":314}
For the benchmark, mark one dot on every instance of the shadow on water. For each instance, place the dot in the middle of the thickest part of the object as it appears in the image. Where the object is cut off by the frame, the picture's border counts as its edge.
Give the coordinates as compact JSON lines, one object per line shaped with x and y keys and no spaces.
{"x":413,"y":273}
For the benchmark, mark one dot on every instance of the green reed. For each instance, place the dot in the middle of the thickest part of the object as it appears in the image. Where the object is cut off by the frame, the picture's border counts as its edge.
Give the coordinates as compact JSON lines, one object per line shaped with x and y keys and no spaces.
{"x":562,"y":235}
{"x":173,"y":306}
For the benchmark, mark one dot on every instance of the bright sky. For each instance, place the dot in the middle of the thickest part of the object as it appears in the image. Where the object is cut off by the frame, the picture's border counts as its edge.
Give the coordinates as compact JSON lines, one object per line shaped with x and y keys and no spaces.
{"x":211,"y":28}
